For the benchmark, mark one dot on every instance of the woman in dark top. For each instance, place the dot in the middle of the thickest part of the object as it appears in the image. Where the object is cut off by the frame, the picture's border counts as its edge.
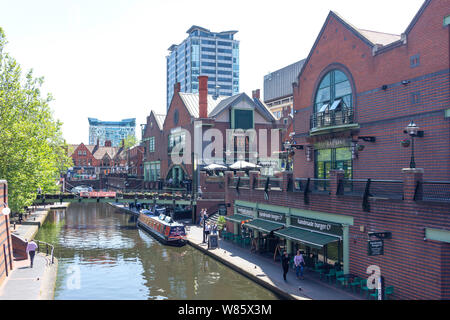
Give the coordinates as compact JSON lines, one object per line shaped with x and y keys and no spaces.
{"x":285,"y":264}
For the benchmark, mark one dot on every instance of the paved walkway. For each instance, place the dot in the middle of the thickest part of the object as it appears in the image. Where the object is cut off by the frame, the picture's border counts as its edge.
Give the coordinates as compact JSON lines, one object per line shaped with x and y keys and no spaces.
{"x":29,"y":228}
{"x":270,"y":272}
{"x":25,"y":283}
{"x":37,"y":283}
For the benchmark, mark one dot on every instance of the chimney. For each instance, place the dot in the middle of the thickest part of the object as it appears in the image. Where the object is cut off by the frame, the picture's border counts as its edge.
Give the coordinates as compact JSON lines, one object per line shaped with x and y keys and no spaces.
{"x":256,"y":94}
{"x":203,"y":97}
{"x":176,"y":88}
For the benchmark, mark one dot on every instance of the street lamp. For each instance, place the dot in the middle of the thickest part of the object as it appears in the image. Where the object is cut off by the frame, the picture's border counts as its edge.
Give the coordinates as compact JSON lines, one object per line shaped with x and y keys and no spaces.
{"x":412,"y":129}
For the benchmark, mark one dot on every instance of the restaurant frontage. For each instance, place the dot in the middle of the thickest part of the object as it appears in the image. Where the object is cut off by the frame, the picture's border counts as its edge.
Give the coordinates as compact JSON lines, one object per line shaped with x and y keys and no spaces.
{"x":269,"y":229}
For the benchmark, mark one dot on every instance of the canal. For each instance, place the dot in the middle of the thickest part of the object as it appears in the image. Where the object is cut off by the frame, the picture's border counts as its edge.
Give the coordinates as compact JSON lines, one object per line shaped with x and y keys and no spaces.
{"x":102,"y":255}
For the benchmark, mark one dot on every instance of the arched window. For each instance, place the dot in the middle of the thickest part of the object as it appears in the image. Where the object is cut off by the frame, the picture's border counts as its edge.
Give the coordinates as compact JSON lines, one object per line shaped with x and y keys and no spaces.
{"x":334,"y":92}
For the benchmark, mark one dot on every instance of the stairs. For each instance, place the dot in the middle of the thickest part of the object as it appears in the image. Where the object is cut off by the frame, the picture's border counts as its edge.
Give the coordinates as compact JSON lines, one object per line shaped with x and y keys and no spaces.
{"x":213,"y":218}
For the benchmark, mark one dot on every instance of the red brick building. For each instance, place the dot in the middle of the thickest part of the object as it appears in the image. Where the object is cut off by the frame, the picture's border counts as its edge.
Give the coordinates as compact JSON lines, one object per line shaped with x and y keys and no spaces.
{"x":92,"y":160}
{"x":349,"y":194}
{"x":211,"y":112}
{"x":6,"y":250}
{"x":357,"y":85}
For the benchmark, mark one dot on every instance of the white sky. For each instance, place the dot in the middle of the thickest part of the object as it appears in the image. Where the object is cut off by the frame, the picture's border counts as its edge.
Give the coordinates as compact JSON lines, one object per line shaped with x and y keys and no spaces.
{"x":106,"y":58}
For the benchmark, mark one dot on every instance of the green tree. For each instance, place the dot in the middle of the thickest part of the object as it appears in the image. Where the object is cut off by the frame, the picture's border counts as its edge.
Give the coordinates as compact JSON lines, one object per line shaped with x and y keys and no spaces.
{"x":32,"y":150}
{"x":130,"y":141}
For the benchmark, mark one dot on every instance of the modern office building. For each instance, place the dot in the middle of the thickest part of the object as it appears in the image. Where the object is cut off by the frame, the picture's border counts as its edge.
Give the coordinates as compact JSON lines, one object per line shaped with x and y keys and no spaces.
{"x":114,"y":131}
{"x":278,"y":94}
{"x":212,"y":54}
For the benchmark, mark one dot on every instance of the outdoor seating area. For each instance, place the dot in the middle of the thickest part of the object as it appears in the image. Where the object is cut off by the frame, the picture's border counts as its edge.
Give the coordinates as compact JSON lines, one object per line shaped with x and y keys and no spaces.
{"x":349,"y":282}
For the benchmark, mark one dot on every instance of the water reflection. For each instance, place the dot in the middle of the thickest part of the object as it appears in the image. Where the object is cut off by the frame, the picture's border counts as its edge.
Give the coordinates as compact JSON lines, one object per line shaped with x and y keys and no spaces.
{"x":114,"y":260}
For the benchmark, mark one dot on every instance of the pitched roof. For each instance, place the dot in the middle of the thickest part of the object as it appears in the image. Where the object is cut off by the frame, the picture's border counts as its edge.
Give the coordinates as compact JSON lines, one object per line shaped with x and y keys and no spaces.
{"x":191,"y":101}
{"x":160,"y":120}
{"x":101,"y":151}
{"x":379,"y":38}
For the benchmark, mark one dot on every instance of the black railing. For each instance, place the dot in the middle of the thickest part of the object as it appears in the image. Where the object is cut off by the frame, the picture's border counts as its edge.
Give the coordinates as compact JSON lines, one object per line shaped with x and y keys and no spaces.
{"x":434,"y":191}
{"x":320,"y":186}
{"x":49,"y":249}
{"x":332,"y":118}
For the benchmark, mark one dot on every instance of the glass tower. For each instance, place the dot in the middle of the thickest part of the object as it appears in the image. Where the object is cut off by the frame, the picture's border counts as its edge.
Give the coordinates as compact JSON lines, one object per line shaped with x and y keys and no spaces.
{"x":113,"y":131}
{"x":213,"y":54}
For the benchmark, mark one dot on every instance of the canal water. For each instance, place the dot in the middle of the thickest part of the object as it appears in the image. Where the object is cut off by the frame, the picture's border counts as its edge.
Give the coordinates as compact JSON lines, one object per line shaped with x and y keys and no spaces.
{"x":102,"y":255}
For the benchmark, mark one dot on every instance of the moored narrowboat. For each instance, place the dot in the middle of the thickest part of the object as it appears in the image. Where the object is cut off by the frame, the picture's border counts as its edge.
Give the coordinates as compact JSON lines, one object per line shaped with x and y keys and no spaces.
{"x":163,"y":228}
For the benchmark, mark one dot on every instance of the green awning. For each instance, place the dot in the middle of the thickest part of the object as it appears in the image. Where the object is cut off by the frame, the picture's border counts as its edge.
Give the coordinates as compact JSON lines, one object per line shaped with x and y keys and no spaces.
{"x":238,"y":218}
{"x":307,"y":237}
{"x":264,"y":225}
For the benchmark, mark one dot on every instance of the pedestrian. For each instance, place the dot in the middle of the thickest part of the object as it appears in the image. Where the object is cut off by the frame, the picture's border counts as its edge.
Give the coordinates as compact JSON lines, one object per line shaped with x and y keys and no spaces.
{"x":207,"y":230}
{"x":214,"y":228}
{"x":285,"y":264}
{"x":31,"y":250}
{"x":201,"y":217}
{"x":299,"y":264}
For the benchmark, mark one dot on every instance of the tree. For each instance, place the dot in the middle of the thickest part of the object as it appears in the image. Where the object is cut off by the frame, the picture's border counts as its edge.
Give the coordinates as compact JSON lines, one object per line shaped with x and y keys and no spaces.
{"x":32,"y":150}
{"x":130,"y":141}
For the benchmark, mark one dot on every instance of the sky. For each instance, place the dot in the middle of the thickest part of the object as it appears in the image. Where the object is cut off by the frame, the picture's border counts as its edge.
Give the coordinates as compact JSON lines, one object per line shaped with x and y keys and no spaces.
{"x":106,"y":59}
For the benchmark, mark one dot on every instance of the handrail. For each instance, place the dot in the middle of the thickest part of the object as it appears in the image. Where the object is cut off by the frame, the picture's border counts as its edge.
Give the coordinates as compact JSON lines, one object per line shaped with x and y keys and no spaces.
{"x":46,"y":246}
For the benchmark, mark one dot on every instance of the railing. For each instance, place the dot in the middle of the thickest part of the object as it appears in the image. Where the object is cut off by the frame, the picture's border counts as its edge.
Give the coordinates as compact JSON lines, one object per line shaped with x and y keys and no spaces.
{"x":332,"y":118}
{"x":47,"y":246}
{"x":434,"y":191}
{"x":320,"y":186}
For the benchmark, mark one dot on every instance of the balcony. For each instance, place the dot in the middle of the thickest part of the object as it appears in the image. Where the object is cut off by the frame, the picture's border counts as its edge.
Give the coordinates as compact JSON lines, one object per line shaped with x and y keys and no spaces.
{"x":332,"y":120}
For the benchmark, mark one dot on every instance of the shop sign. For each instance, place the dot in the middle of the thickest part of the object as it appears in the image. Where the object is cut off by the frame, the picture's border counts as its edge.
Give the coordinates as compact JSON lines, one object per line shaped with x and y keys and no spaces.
{"x":332,"y":143}
{"x":272,"y":216}
{"x":316,"y":225}
{"x":245,"y":211}
{"x":222,"y":209}
{"x":375,"y":248}
{"x":213,"y":241}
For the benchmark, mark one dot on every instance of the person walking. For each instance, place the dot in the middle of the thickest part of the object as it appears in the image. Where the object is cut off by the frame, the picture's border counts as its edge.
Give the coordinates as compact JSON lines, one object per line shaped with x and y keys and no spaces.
{"x":202,"y":212}
{"x":285,"y":264}
{"x":207,"y":230}
{"x":31,"y":250}
{"x":299,"y":265}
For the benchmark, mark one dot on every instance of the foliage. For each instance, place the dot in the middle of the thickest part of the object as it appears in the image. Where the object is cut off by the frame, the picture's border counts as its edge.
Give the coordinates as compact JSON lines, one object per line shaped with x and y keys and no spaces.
{"x":130,"y":141}
{"x":32,"y":150}
{"x":221,"y":222}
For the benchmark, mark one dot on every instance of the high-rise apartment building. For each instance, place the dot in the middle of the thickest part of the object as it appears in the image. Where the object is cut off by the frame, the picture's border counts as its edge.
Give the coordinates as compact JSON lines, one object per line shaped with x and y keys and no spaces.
{"x":212,"y":54}
{"x":114,"y":131}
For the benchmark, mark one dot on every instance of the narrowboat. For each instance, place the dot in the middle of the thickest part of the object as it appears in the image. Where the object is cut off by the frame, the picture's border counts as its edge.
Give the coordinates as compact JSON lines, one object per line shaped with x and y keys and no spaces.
{"x":163,"y":229}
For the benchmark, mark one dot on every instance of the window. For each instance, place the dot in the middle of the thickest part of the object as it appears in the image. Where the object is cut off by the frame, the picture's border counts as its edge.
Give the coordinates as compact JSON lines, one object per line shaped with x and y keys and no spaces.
{"x":243,"y":119}
{"x":414,"y":61}
{"x":336,"y":158}
{"x":334,"y":86}
{"x":151,"y":144}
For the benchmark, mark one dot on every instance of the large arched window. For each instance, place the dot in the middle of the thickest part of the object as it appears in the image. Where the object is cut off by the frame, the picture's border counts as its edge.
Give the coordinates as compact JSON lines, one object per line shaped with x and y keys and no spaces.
{"x":334,"y":91}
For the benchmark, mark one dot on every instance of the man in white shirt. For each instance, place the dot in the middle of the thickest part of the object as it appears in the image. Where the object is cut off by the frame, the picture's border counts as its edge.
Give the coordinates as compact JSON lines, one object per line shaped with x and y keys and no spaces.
{"x":31,"y":250}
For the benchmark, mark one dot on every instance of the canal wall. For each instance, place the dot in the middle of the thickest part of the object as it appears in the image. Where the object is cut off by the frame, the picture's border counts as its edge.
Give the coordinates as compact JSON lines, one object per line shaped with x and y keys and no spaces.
{"x":240,"y":265}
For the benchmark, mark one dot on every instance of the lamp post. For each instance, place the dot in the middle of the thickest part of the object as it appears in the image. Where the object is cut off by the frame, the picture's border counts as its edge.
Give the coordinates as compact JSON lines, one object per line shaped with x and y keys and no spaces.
{"x":412,"y":129}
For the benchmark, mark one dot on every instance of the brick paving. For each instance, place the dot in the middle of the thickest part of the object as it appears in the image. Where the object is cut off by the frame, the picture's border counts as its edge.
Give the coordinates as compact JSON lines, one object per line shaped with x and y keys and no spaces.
{"x":270,"y":272}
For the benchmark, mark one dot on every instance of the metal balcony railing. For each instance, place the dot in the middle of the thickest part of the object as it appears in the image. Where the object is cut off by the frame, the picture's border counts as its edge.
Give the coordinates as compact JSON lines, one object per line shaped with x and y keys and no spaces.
{"x":332,"y":118}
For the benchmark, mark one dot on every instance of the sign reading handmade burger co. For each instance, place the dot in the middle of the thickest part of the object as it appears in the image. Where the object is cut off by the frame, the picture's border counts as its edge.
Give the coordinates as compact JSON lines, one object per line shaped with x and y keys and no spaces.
{"x":317,"y":225}
{"x":245,"y":211}
{"x":272,"y":216}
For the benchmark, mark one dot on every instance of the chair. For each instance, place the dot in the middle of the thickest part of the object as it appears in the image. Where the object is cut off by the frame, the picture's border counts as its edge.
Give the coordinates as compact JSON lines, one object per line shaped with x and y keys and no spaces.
{"x":247,"y":241}
{"x":355,"y":284}
{"x":365,"y":288}
{"x":340,"y":278}
{"x":388,"y":291}
{"x":331,"y":274}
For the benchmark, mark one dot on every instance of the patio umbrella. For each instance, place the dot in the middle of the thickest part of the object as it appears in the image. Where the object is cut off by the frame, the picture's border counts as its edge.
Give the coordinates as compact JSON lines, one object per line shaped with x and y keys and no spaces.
{"x":214,"y":166}
{"x":243,"y":165}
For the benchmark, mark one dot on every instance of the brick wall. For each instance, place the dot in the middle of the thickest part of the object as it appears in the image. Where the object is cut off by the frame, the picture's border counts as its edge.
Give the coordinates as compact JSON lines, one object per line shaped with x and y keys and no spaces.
{"x":5,"y":235}
{"x":417,"y":269}
{"x":385,"y":113}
